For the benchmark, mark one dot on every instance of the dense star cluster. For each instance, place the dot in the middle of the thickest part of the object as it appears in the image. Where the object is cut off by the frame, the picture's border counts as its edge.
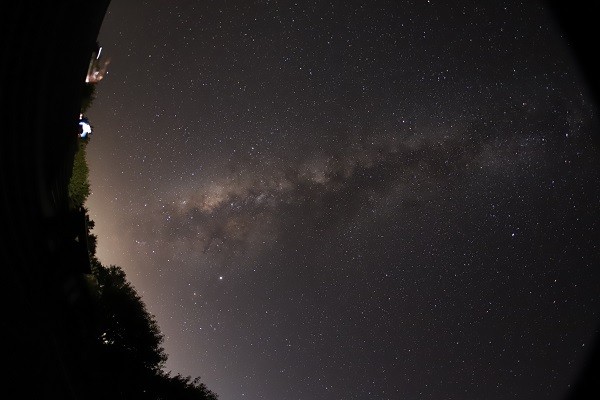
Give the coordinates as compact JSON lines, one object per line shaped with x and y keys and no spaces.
{"x":334,"y":200}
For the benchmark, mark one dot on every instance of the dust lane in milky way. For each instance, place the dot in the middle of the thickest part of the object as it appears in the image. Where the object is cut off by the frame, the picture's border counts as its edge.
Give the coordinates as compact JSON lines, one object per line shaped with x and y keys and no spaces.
{"x":333,"y":200}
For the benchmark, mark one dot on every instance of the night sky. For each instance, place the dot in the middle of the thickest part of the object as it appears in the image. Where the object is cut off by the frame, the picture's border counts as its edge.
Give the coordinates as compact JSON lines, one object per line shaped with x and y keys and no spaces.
{"x":334,"y":200}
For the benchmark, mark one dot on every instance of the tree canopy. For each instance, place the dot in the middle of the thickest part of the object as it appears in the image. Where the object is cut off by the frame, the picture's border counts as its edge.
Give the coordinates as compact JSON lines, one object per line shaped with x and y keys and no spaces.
{"x":79,"y":184}
{"x":128,"y":357}
{"x":130,"y":342}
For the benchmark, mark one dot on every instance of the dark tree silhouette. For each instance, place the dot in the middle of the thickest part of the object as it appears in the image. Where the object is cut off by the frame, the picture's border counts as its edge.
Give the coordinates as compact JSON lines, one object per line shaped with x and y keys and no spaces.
{"x":183,"y":388}
{"x":92,"y":240}
{"x":125,"y":325}
{"x":130,"y":342}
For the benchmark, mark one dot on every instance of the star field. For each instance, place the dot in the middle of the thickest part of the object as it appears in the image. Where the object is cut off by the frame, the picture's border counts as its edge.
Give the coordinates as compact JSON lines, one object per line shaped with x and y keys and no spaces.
{"x":323,"y":200}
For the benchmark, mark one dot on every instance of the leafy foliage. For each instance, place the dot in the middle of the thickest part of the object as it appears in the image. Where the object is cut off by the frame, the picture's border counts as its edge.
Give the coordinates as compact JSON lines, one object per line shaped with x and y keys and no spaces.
{"x":183,"y":388}
{"x":129,"y":357}
{"x":130,"y":342}
{"x":79,"y":185}
{"x":126,"y":325}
